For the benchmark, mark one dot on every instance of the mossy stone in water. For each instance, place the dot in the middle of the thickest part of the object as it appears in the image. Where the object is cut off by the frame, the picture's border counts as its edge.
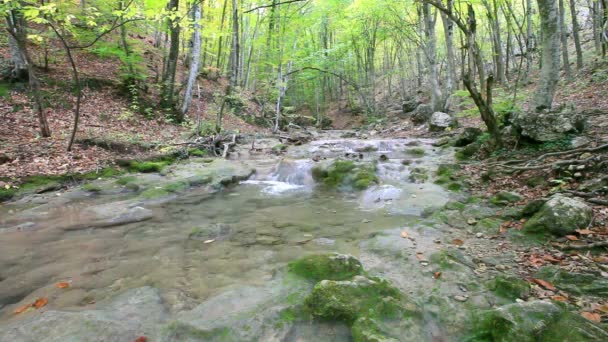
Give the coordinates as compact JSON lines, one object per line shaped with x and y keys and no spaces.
{"x":347,"y":301}
{"x":367,"y":329}
{"x":509,"y":287}
{"x":346,"y":174}
{"x":534,"y":321}
{"x":327,"y":266}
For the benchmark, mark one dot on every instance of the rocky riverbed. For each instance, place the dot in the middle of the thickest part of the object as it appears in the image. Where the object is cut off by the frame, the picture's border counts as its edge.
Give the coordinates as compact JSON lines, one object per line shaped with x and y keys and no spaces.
{"x":340,"y":239}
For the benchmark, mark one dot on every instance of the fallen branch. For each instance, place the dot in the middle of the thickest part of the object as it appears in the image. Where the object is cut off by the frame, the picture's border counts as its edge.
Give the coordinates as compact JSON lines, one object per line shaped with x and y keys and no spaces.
{"x":228,"y":145}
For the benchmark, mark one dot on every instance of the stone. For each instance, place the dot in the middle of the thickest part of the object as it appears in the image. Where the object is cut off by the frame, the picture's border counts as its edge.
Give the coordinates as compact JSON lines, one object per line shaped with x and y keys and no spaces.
{"x":441,"y":121}
{"x":409,"y":106}
{"x":578,"y":142}
{"x":346,"y":301}
{"x":560,"y":215}
{"x":506,"y":197}
{"x":136,"y":312}
{"x":467,"y":137}
{"x":535,"y":321}
{"x":327,"y":266}
{"x":367,"y":329}
{"x":579,"y":283}
{"x":422,"y":114}
{"x":550,"y":125}
{"x":509,"y":287}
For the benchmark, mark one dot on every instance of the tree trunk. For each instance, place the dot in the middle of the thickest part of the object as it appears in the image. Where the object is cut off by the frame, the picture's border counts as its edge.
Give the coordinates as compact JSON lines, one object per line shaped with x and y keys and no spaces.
{"x":168,"y":84}
{"x":16,"y":30}
{"x":234,"y":53}
{"x":550,"y":59}
{"x":448,"y":27}
{"x":529,"y":39}
{"x":195,"y":59}
{"x":219,"y":48}
{"x":564,"y":39}
{"x":575,"y":35}
{"x":431,"y":55}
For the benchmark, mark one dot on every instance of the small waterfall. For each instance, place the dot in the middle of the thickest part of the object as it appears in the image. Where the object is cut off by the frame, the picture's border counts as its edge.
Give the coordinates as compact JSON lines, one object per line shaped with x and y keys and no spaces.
{"x":287,"y":175}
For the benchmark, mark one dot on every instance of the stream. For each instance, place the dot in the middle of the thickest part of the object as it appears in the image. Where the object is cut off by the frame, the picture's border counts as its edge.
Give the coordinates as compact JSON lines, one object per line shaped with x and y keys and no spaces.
{"x":199,"y":253}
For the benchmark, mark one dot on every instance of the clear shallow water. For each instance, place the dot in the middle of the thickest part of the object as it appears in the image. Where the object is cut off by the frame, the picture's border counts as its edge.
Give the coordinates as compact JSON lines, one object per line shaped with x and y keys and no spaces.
{"x":198,"y":245}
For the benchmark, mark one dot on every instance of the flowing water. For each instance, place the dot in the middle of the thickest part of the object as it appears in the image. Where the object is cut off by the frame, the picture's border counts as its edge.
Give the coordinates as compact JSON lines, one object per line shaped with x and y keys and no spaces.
{"x":196,"y":247}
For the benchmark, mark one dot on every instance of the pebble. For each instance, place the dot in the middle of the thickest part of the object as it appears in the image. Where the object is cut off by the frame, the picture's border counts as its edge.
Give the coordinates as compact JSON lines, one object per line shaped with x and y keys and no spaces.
{"x":437,"y":241}
{"x":501,"y":267}
{"x":424,"y":263}
{"x":366,"y":221}
{"x":461,"y":298}
{"x":462,"y":247}
{"x":479,"y":235}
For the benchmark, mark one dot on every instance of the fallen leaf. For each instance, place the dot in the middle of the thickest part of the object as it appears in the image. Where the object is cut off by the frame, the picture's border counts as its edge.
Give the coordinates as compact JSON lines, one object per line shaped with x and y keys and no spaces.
{"x":141,"y":339}
{"x":208,"y":242}
{"x":21,"y":309}
{"x":559,"y":298}
{"x":404,"y":234}
{"x":63,"y":285}
{"x":601,"y":260}
{"x":584,"y":231}
{"x":420,"y":256}
{"x":592,"y":316}
{"x":551,"y":258}
{"x":437,"y":275}
{"x":544,"y":284}
{"x":603,"y":308}
{"x":571,"y":237}
{"x":457,"y":242}
{"x":40,"y":302}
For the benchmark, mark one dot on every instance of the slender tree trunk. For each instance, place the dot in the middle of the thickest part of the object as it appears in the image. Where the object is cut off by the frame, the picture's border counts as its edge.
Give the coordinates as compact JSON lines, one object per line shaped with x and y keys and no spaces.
{"x":235,"y":50}
{"x":195,"y":59}
{"x":529,"y":39}
{"x":219,"y":47}
{"x":575,"y":35}
{"x":168,"y":84}
{"x":564,"y":39}
{"x":550,"y":59}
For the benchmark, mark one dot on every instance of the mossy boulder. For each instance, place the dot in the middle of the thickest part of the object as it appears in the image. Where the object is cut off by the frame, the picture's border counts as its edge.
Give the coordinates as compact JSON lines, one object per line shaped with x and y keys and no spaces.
{"x":468,"y":136}
{"x":346,"y":174}
{"x":509,"y":287}
{"x":578,"y":283}
{"x":505,"y":198}
{"x":488,"y":225}
{"x":535,"y":321}
{"x":349,"y":300}
{"x":532,"y":207}
{"x":416,"y":152}
{"x":560,"y":215}
{"x":332,"y":266}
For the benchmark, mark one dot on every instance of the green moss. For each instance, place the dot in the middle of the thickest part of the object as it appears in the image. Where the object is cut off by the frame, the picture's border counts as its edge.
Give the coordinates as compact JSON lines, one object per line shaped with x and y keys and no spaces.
{"x":348,"y":300}
{"x":505,"y":197}
{"x":326,"y":266}
{"x":509,"y":287}
{"x":416,"y":152}
{"x":146,"y":167}
{"x":489,"y":225}
{"x":177,"y":331}
{"x":279,"y":148}
{"x":367,"y":329}
{"x":42,"y":183}
{"x":454,"y":186}
{"x":7,"y":194}
{"x":454,"y":205}
{"x":126,"y":180}
{"x":154,"y":193}
{"x":91,"y":187}
{"x":345,"y":173}
{"x":197,"y":152}
{"x":175,"y":187}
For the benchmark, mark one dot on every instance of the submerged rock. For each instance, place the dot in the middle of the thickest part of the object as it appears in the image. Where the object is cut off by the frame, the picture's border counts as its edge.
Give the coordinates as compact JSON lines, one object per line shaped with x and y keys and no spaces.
{"x":535,"y":321}
{"x":327,"y":266}
{"x":560,"y":215}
